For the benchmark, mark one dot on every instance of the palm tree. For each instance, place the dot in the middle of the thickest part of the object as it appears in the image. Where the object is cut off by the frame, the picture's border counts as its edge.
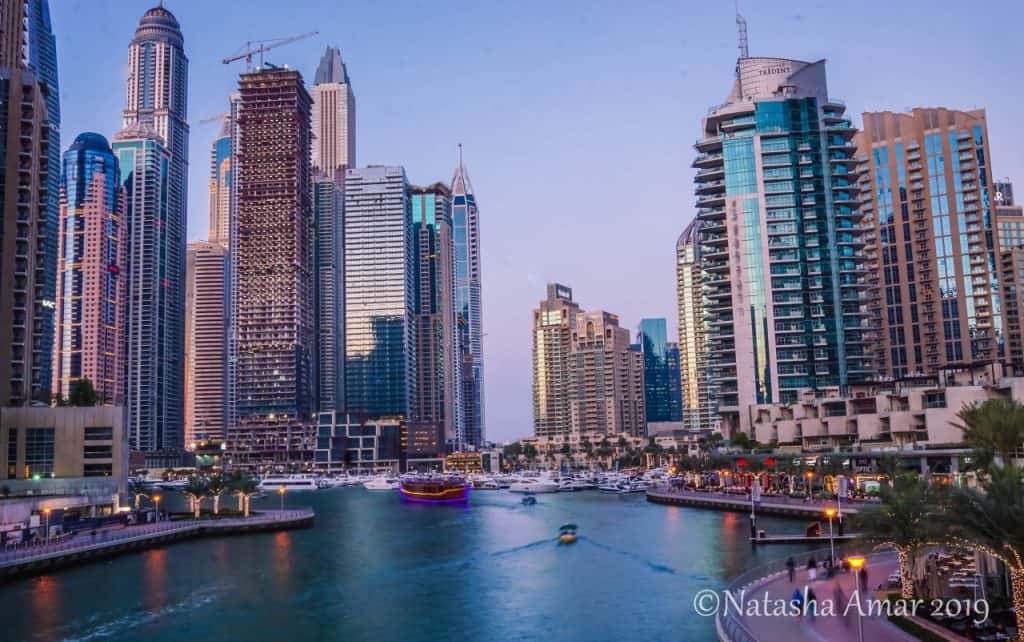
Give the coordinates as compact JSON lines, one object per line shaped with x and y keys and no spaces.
{"x":992,"y":520}
{"x":244,"y":487}
{"x":215,"y":487}
{"x":138,"y":490}
{"x":195,"y":490}
{"x":994,"y":428}
{"x":906,"y":520}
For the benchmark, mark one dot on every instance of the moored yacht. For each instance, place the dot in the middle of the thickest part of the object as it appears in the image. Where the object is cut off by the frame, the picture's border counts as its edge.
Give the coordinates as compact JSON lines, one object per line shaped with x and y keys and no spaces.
{"x":274,"y":483}
{"x":381,"y":483}
{"x":543,"y":484}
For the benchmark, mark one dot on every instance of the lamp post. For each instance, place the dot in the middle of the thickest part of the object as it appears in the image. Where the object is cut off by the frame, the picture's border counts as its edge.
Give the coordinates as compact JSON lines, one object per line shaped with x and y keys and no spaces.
{"x":280,"y":491}
{"x":46,"y":515}
{"x":830,"y":513}
{"x":810,"y":486}
{"x":156,"y":500}
{"x":857,"y":563}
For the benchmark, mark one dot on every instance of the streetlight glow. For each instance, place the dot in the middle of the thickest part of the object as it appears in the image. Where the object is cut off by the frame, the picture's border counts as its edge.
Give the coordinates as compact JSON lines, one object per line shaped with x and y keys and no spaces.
{"x":855,"y":562}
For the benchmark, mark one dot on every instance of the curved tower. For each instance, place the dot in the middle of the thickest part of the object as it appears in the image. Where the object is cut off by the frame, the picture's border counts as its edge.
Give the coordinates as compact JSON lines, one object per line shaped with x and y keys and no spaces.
{"x":156,"y":101}
{"x":91,"y":286}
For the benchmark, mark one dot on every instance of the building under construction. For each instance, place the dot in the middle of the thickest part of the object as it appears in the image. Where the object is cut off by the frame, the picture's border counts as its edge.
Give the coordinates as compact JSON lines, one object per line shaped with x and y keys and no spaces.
{"x":273,"y":298}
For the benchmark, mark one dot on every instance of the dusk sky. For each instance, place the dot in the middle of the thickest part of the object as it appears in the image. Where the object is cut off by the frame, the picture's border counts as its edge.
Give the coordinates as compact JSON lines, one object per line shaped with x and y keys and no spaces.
{"x":577,"y":118}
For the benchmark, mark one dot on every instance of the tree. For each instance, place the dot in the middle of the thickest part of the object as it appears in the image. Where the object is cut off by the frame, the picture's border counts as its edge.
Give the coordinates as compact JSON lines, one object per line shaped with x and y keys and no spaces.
{"x":906,"y":520}
{"x":138,"y":490}
{"x":82,"y":393}
{"x":992,"y":520}
{"x":215,"y":487}
{"x":742,"y":441}
{"x":195,"y":490}
{"x":244,"y":487}
{"x":530,"y":451}
{"x":994,"y":429}
{"x":513,"y":451}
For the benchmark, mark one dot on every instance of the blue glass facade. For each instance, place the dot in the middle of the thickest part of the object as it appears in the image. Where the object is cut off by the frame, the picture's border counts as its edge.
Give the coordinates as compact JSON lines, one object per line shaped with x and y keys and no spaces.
{"x":661,"y":371}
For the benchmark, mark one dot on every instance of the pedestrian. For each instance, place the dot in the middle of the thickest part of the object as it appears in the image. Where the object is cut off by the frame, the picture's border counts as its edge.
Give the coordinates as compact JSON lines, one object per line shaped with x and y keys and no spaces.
{"x":839,"y":604}
{"x":798,"y":603}
{"x":812,"y":603}
{"x":862,"y":578}
{"x":791,"y":569}
{"x":812,"y":569}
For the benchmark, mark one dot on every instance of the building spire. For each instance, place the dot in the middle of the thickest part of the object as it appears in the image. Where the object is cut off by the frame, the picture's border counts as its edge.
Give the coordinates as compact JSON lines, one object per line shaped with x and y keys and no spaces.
{"x":460,"y":156}
{"x":741,"y":29}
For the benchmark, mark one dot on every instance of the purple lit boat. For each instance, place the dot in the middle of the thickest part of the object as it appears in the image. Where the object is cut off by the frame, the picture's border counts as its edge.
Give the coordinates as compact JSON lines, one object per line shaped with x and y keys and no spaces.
{"x":435,"y":490}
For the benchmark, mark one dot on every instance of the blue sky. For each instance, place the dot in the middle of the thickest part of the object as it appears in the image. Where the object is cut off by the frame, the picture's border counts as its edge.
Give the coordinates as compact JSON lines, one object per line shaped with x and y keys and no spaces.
{"x":577,"y":118}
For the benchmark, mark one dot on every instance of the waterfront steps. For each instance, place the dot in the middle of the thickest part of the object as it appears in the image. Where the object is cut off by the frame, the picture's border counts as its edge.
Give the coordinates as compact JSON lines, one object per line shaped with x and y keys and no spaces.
{"x":83,"y":547}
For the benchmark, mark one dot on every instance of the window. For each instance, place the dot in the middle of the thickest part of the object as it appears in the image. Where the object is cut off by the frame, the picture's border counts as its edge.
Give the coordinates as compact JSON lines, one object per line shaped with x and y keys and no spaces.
{"x":38,"y":452}
{"x":99,"y":470}
{"x":99,"y":433}
{"x":98,"y":452}
{"x":935,"y":400}
{"x":12,"y":453}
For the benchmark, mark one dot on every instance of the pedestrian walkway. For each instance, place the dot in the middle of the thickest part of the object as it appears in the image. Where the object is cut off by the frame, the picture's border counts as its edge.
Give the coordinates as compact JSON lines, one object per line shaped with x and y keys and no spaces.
{"x":762,"y":627}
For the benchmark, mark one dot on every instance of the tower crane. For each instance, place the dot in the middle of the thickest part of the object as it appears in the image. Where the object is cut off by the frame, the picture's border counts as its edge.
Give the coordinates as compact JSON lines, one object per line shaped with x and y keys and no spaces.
{"x":217,"y":118}
{"x":262,"y":46}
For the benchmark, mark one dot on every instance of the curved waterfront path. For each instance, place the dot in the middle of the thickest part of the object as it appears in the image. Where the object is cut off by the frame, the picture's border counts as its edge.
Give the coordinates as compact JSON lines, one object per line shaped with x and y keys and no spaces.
{"x":82,"y":546}
{"x":773,"y":581}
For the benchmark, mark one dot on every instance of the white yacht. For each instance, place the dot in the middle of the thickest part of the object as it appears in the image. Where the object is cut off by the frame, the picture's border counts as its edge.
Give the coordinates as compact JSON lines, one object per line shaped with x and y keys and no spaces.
{"x":543,"y":484}
{"x":381,"y":483}
{"x":273,"y":483}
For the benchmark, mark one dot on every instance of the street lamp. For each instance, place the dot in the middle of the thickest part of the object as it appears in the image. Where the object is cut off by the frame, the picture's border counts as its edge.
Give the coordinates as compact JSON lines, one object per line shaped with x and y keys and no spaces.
{"x":280,"y":491}
{"x":46,"y":514}
{"x":830,"y":513}
{"x":810,"y":487}
{"x":156,"y":500}
{"x":857,"y":563}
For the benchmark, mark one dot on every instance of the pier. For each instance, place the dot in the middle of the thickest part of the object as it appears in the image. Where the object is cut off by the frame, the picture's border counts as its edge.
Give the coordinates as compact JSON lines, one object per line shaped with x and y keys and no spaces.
{"x":778,"y":505}
{"x":28,"y":560}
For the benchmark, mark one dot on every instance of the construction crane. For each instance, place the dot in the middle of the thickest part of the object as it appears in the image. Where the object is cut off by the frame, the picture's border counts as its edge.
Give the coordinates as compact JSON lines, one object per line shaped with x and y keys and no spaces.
{"x":262,"y":46}
{"x":217,"y":118}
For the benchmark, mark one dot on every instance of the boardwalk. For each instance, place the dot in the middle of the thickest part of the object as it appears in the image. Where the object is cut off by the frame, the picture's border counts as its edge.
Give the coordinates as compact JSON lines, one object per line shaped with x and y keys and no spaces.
{"x":835,"y":628}
{"x":84,"y":546}
{"x":775,"y":505}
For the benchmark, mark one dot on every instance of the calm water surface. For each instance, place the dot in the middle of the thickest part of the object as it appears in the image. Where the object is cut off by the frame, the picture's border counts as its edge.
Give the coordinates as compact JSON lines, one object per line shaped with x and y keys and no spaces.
{"x":375,"y":569}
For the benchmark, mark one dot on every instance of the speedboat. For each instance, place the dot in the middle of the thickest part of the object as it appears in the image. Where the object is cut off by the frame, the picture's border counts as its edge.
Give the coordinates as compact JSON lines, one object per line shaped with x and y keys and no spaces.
{"x":289,"y":482}
{"x":567,"y":534}
{"x":381,"y":483}
{"x":529,"y":499}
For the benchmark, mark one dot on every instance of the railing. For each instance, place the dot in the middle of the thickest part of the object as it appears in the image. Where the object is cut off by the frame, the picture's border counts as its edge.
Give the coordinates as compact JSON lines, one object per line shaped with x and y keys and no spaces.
{"x":81,"y":542}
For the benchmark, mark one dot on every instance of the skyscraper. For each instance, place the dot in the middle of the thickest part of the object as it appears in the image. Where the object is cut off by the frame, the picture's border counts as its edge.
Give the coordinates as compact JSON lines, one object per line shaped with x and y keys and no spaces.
{"x":777,"y":200}
{"x":380,"y":362}
{"x":438,"y":380}
{"x":698,"y":407}
{"x":468,"y":303}
{"x":155,"y":114}
{"x":653,"y":341}
{"x":29,"y":189}
{"x":334,"y":116}
{"x":91,"y":286}
{"x":272,"y":272}
{"x":206,"y":331}
{"x":928,"y":199}
{"x":154,"y":354}
{"x":586,"y":375}
{"x":554,"y":322}
{"x":328,"y":206}
{"x":220,"y":186}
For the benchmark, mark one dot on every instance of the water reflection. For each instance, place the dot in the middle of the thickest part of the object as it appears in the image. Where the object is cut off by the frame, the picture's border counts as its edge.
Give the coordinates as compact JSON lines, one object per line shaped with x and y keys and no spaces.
{"x":44,"y":607}
{"x":155,"y":574}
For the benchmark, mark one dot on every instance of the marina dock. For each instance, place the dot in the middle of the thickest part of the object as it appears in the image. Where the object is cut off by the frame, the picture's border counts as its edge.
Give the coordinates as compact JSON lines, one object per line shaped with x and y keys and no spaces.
{"x":802,"y":539}
{"x":780,"y":506}
{"x":84,"y":547}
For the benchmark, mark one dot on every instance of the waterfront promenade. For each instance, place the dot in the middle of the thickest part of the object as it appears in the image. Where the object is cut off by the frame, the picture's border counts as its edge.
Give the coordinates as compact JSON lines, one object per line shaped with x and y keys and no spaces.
{"x":780,"y":505}
{"x":84,"y":546}
{"x":773,"y":581}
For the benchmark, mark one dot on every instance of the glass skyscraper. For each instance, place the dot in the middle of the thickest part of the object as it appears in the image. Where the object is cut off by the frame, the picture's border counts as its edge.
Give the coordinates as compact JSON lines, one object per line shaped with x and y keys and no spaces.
{"x":154,"y":359}
{"x":658,"y":375}
{"x":220,"y":186}
{"x":698,"y":410}
{"x":783,"y":266}
{"x":90,"y":298}
{"x":468,"y":303}
{"x":328,"y":205}
{"x":380,"y":362}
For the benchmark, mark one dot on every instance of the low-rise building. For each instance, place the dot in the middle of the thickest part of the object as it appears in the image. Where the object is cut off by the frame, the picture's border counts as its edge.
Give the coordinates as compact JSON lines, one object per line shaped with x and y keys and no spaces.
{"x":347,"y":442}
{"x":914,"y":412}
{"x":70,"y":463}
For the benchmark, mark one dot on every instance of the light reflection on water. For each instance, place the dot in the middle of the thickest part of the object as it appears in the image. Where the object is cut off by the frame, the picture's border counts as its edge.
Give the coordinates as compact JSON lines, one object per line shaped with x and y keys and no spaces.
{"x":375,"y":569}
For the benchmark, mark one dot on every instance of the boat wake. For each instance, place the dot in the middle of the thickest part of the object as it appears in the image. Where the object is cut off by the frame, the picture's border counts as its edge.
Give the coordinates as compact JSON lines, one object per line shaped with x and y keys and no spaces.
{"x":524,"y":547}
{"x":105,"y":629}
{"x":654,"y":566}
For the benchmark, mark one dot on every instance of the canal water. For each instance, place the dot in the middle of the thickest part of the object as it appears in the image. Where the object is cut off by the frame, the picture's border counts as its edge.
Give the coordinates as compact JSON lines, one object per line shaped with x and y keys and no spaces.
{"x":375,"y":569}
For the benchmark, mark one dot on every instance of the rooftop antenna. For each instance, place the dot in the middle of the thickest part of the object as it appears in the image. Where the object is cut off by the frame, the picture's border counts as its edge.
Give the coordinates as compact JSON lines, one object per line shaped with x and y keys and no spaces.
{"x":741,"y":28}
{"x":460,"y":154}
